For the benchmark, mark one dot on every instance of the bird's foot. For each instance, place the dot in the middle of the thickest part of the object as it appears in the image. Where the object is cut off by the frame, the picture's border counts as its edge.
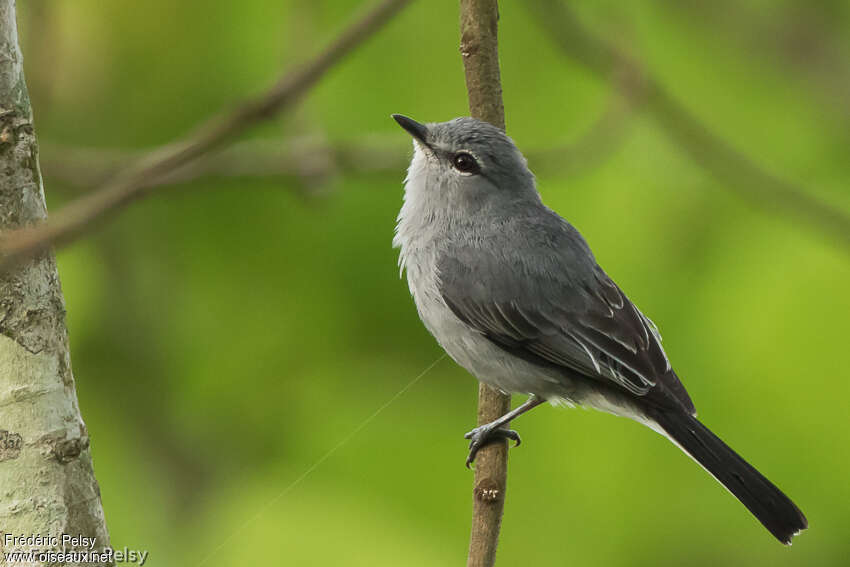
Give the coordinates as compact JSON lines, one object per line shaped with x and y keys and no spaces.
{"x":485,"y":434}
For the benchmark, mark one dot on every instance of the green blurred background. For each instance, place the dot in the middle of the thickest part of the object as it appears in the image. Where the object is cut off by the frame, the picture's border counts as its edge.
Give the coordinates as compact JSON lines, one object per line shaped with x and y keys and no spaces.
{"x":229,"y":332}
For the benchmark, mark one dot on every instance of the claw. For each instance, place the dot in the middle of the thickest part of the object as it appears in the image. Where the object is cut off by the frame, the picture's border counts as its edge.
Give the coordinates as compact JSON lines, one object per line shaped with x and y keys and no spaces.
{"x":484,"y":435}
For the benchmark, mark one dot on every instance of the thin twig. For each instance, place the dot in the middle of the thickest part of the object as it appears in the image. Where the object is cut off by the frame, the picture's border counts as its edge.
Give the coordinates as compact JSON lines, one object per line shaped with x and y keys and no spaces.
{"x":479,"y":47}
{"x":140,"y":179}
{"x":705,"y":148}
{"x":314,"y":160}
{"x":595,"y":146}
{"x":805,"y":37}
{"x":307,"y":158}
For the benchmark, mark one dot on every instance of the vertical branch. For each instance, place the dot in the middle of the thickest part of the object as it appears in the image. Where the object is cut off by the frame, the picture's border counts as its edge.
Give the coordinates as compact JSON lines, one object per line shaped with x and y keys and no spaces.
{"x":479,"y":47}
{"x":46,"y":475}
{"x":491,"y":481}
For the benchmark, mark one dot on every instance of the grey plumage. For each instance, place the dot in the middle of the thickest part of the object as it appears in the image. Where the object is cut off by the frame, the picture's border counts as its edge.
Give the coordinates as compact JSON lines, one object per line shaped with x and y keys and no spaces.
{"x":513,"y":294}
{"x":488,"y":263}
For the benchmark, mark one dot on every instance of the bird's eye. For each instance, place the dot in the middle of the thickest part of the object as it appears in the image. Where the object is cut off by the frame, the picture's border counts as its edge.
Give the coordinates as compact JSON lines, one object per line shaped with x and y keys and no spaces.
{"x":465,"y":163}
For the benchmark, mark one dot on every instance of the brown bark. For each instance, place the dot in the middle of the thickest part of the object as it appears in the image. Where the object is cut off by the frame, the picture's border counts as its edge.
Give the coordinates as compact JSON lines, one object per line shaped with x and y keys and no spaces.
{"x":479,"y":48}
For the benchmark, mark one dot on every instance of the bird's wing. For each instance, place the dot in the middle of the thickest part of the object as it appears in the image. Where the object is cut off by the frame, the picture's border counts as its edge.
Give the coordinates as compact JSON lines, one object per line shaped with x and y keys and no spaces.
{"x":561,"y":309}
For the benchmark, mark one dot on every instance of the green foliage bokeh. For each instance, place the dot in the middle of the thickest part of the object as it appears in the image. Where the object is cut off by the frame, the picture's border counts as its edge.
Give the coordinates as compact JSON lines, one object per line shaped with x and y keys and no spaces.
{"x":227,"y":334}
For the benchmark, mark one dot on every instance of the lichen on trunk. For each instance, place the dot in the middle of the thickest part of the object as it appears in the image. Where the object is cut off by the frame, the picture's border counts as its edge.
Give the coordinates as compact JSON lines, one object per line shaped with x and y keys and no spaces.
{"x":47,"y":482}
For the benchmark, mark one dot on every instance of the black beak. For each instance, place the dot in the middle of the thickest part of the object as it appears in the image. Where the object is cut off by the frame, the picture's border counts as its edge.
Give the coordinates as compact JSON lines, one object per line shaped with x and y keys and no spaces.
{"x":414,"y":128}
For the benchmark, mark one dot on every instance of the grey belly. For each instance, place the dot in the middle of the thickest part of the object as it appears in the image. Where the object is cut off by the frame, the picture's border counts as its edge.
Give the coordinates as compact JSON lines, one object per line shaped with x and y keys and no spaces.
{"x":494,"y":366}
{"x":480,"y":356}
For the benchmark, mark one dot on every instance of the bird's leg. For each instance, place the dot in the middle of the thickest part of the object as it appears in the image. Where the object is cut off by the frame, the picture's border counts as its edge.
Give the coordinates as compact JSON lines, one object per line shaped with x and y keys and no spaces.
{"x":493,"y":431}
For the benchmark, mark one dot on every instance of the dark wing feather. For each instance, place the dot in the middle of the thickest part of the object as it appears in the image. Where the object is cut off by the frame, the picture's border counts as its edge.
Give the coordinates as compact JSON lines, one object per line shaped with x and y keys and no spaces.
{"x":580,"y":320}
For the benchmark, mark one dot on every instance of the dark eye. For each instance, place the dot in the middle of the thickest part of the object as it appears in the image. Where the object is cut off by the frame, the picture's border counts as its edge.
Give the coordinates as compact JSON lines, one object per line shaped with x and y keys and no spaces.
{"x":465,"y":163}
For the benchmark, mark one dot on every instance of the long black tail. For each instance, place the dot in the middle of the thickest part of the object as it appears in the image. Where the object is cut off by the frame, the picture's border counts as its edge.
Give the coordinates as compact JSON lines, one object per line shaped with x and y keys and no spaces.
{"x":767,"y":503}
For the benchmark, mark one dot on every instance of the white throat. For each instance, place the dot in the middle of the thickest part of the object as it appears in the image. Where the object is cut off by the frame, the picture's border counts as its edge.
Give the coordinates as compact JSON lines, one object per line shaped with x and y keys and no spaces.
{"x":422,"y":218}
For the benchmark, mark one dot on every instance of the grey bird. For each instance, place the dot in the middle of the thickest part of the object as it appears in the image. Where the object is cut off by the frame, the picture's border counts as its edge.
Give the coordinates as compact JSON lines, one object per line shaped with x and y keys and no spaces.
{"x":513,"y":294}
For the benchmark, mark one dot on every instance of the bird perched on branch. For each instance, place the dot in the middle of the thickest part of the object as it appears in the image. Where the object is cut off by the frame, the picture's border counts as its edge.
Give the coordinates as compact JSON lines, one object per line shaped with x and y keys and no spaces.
{"x":513,"y":294}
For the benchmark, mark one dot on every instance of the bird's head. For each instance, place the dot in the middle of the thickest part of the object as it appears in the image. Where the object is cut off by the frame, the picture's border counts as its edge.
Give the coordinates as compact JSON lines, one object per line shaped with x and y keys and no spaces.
{"x":465,"y":164}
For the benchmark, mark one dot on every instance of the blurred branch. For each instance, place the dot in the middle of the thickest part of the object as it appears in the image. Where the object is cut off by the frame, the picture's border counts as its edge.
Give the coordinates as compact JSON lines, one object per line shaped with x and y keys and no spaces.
{"x":604,"y":137}
{"x":313,"y":160}
{"x":806,"y":36}
{"x":138,"y":180}
{"x":705,"y":148}
{"x":38,"y":33}
{"x":479,"y":48}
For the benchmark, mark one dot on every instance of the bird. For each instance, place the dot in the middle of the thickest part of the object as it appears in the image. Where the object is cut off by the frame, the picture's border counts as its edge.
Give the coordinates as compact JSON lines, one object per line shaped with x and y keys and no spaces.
{"x":513,"y":293}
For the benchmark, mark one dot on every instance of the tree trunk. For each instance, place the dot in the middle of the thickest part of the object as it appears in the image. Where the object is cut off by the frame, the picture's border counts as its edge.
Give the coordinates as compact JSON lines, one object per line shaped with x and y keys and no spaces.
{"x":47,"y":485}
